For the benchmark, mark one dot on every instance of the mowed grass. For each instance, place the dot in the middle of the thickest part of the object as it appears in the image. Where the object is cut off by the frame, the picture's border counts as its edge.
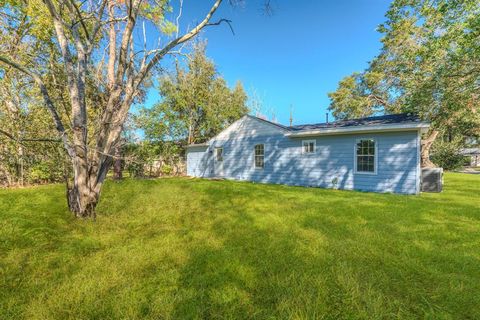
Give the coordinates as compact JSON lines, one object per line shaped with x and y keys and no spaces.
{"x":195,"y":249}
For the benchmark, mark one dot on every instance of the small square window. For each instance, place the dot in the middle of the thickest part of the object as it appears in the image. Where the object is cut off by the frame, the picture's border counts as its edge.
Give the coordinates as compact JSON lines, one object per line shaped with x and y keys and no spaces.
{"x":308,"y":146}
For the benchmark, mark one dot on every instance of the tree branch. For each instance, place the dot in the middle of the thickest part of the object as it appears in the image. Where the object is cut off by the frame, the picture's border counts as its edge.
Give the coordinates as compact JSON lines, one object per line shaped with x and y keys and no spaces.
{"x":21,"y":141}
{"x":9,"y":135}
{"x":229,"y":22}
{"x":80,"y":18}
{"x":46,"y":97}
{"x":125,"y":44}
{"x":193,"y":32}
{"x":58,"y":24}
{"x":98,"y":24}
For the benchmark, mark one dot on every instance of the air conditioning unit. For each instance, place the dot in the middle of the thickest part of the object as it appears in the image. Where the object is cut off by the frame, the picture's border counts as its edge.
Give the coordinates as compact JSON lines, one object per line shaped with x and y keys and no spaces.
{"x":432,"y":179}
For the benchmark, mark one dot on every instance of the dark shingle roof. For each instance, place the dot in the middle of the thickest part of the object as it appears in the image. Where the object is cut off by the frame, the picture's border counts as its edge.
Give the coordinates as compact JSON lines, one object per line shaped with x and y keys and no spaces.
{"x":368,"y":121}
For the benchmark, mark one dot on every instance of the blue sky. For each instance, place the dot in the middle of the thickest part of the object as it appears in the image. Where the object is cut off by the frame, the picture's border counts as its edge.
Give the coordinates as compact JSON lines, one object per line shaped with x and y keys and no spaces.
{"x":297,"y":55}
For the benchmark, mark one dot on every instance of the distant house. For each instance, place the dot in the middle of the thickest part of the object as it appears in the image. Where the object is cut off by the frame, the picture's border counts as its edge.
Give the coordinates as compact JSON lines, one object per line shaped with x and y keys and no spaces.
{"x":380,"y":154}
{"x":473,"y":154}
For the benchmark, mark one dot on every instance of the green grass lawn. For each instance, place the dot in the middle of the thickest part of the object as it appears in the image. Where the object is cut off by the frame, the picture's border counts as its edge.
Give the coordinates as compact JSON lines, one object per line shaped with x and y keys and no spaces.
{"x":184,"y":248}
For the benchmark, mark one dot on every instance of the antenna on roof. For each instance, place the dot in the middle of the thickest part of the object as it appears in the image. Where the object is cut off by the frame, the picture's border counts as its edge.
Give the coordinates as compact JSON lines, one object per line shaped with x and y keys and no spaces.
{"x":326,"y":114}
{"x":291,"y":115}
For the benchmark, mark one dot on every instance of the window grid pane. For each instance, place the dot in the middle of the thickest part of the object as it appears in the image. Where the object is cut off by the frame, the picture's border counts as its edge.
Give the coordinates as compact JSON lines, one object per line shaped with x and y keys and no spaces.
{"x":308,"y":146}
{"x":366,"y":155}
{"x":259,"y":156}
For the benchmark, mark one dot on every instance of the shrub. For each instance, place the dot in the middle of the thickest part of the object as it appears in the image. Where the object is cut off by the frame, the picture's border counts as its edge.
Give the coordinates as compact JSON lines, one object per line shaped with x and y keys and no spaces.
{"x":166,"y":169}
{"x":447,"y":155}
{"x":135,"y":169}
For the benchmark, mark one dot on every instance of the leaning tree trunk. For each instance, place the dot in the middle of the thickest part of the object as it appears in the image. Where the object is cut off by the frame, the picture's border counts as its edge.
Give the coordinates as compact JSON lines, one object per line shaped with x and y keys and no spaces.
{"x":425,"y":152}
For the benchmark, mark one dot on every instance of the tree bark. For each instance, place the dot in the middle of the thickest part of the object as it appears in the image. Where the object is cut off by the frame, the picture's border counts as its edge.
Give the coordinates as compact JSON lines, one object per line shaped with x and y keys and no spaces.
{"x":425,"y":152}
{"x":82,"y":201}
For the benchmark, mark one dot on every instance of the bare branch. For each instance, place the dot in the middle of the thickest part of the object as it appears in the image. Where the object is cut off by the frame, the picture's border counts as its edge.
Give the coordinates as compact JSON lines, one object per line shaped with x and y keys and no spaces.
{"x":58,"y":24}
{"x":172,"y":44}
{"x":179,"y":16}
{"x":9,"y":135}
{"x":21,"y":141}
{"x":229,"y":22}
{"x":112,"y":48}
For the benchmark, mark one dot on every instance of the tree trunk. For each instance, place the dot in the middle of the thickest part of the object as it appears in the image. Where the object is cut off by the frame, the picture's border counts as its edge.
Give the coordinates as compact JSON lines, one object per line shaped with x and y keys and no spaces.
{"x":425,"y":152}
{"x":118,"y":165}
{"x":83,"y":195}
{"x":82,"y":204}
{"x":117,"y":169}
{"x":20,"y":164}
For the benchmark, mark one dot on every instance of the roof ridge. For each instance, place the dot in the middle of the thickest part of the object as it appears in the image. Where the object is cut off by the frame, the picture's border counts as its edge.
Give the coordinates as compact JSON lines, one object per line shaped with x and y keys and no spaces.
{"x":268,"y":121}
{"x":356,"y":119}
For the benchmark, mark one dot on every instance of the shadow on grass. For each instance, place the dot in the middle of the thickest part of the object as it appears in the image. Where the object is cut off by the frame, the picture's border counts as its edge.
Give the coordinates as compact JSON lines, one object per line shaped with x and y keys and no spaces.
{"x":351,"y":256}
{"x":264,"y":267}
{"x":181,"y":248}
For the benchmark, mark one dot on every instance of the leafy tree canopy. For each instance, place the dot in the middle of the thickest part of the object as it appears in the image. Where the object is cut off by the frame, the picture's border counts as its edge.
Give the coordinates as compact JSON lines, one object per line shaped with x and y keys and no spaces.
{"x":429,"y":64}
{"x":196,"y":103}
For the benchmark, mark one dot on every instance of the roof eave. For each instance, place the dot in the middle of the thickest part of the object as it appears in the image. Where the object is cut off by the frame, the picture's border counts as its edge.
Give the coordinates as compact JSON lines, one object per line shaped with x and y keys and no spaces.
{"x":198,"y":145}
{"x":422,"y":127}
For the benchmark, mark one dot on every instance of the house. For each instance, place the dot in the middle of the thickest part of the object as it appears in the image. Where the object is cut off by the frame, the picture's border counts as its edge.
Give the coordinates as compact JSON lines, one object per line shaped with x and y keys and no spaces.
{"x":379,"y":154}
{"x":473,"y":155}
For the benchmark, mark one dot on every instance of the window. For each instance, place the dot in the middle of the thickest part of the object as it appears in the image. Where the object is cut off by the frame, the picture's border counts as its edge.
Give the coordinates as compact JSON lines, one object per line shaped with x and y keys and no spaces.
{"x":219,"y":154}
{"x":365,"y":156}
{"x":308,"y":146}
{"x":259,"y":156}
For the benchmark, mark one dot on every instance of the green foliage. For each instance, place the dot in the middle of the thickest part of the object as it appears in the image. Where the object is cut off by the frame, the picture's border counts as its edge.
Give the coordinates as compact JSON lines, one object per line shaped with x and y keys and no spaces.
{"x":196,"y":105}
{"x":153,"y":158}
{"x":155,"y":11}
{"x":447,"y":155}
{"x":429,"y":64}
{"x":135,"y":169}
{"x":197,"y":249}
{"x":166,"y":169}
{"x":358,"y":95}
{"x":39,"y":172}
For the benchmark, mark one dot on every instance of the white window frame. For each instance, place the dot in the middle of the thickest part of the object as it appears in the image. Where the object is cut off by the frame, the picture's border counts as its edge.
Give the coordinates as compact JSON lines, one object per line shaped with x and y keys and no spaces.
{"x":255,"y":156}
{"x":314,"y":146}
{"x":216,"y":154}
{"x":375,"y":156}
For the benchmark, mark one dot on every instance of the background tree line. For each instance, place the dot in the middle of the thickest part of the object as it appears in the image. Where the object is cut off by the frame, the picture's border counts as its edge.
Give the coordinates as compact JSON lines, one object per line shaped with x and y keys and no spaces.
{"x":196,"y":103}
{"x":91,"y":62}
{"x":429,"y":64}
